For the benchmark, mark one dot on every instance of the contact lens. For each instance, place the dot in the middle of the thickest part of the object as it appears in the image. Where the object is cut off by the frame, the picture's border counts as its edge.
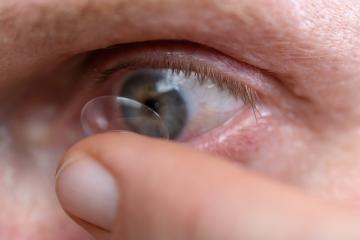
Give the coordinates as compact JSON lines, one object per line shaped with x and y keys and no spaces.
{"x":114,"y":113}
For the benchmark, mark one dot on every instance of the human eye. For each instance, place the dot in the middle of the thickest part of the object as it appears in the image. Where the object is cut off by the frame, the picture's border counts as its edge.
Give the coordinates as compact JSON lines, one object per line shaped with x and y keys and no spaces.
{"x":195,"y":91}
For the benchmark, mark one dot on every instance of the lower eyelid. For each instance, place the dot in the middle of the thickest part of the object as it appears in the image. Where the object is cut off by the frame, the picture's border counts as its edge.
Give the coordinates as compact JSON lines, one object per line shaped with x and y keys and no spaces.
{"x":239,"y":138}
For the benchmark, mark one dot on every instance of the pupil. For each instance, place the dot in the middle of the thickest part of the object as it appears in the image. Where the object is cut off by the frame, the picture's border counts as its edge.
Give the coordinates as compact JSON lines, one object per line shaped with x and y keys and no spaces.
{"x":153,"y":104}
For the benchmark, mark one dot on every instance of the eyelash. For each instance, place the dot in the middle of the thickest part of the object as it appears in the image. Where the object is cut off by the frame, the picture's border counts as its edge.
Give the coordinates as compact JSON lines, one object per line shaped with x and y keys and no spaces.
{"x":202,"y":71}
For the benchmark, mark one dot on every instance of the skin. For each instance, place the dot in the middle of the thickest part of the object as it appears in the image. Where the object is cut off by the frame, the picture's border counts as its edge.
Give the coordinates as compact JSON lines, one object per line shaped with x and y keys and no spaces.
{"x":311,"y":49}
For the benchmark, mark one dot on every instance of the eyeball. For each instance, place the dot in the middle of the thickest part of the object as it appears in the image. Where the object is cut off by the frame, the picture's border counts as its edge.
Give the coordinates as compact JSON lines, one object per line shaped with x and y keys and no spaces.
{"x":114,"y":113}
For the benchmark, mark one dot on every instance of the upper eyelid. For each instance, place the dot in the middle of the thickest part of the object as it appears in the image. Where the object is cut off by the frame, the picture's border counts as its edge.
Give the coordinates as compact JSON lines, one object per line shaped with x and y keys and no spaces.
{"x":208,"y":61}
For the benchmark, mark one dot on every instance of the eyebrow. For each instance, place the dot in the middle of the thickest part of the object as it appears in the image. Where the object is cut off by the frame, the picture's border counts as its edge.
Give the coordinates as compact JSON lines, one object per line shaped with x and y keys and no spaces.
{"x":236,"y":26}
{"x":268,"y":35}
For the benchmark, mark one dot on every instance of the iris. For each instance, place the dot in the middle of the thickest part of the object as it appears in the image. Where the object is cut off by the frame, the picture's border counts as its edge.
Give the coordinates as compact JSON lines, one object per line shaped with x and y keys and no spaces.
{"x":154,"y":89}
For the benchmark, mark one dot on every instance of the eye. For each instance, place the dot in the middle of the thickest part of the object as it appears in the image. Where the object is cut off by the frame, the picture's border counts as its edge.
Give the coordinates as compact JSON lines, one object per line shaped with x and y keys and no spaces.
{"x":189,"y":91}
{"x":187,"y":104}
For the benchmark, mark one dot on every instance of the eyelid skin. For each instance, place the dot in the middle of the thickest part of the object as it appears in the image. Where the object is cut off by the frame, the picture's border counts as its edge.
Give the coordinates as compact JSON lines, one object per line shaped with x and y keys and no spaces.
{"x":186,"y":57}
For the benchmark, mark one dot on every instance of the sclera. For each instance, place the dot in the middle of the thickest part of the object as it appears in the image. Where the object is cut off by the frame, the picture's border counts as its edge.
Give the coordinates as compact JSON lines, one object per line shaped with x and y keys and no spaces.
{"x":114,"y":113}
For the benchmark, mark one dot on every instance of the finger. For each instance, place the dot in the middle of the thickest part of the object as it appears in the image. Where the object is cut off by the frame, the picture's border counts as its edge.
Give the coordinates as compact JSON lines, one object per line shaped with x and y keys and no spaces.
{"x":140,"y":188}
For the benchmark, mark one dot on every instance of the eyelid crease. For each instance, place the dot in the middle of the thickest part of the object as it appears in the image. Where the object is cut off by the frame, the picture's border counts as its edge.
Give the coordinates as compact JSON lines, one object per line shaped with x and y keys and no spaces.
{"x":201,"y":70}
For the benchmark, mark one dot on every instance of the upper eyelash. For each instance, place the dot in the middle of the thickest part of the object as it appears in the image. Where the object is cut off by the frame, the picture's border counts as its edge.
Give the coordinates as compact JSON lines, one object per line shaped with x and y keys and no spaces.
{"x":202,"y":71}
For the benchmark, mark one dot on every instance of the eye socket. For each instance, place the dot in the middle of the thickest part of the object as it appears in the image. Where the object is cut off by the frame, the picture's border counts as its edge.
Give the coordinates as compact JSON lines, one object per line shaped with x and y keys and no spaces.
{"x":192,"y":91}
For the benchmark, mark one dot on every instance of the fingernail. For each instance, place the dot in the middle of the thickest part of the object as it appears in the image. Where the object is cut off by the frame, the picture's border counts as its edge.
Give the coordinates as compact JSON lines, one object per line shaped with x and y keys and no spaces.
{"x":87,"y":190}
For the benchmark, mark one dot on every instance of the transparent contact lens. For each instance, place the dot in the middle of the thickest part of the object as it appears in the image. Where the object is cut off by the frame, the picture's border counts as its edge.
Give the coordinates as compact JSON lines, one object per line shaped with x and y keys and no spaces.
{"x":113,"y":113}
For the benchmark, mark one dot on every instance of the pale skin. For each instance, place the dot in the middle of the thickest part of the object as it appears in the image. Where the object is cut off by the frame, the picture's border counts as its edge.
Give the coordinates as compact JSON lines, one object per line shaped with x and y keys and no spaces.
{"x":300,"y":173}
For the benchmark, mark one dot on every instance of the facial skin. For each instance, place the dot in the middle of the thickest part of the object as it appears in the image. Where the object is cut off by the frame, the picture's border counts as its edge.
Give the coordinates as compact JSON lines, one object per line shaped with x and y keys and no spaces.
{"x":310,"y":49}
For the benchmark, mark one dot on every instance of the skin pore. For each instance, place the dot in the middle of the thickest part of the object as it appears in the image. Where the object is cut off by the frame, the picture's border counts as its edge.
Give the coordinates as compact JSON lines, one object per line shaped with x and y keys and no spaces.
{"x":309,"y":48}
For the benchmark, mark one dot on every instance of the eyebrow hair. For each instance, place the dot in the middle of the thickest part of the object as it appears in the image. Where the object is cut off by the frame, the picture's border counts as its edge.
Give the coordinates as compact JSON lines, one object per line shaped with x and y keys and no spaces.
{"x":46,"y":23}
{"x":61,"y":20}
{"x":258,"y":32}
{"x":8,"y":13}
